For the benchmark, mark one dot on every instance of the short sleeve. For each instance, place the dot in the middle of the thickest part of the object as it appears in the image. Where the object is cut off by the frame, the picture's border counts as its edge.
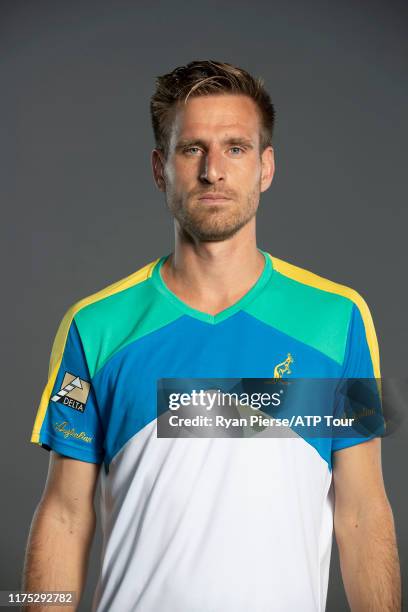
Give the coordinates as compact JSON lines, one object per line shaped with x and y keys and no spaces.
{"x":362,"y":362}
{"x":68,"y":419}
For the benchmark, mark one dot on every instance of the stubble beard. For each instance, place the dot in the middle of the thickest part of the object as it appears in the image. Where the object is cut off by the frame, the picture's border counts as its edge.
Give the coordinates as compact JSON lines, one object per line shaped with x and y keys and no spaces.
{"x":213,"y":223}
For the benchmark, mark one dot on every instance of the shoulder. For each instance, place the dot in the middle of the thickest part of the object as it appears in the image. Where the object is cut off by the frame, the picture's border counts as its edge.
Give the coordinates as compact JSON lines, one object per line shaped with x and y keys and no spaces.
{"x":307,"y":278}
{"x":313,"y":285}
{"x":322,"y":312}
{"x":114,"y":292}
{"x":95,"y":315}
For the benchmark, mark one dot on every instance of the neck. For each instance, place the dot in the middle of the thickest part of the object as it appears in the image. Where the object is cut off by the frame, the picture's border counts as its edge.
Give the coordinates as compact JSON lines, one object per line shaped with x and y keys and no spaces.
{"x":211,"y":276}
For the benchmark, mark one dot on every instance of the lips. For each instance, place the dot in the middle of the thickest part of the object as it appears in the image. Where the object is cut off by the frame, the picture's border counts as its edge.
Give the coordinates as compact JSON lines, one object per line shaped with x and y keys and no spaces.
{"x":213,"y":197}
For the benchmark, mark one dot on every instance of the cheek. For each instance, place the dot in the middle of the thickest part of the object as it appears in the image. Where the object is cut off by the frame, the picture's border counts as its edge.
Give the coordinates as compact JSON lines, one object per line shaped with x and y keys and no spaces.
{"x":168,"y":174}
{"x":184,"y":172}
{"x":173,"y":171}
{"x":248,"y":176}
{"x":257,"y":173}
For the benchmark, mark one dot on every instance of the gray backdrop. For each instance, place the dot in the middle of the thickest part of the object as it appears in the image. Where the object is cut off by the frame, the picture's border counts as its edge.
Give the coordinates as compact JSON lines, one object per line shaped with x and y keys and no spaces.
{"x":80,"y":210}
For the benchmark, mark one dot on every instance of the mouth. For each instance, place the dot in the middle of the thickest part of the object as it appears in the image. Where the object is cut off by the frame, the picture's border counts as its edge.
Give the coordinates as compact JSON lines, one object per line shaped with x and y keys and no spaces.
{"x":213,"y":199}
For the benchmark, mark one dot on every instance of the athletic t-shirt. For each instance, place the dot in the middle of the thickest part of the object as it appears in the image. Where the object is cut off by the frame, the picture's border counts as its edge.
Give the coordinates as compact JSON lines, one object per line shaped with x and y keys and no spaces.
{"x":204,"y":524}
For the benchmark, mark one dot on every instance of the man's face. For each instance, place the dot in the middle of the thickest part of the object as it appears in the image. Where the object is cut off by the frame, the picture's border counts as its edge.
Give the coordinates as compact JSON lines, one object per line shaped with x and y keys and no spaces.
{"x":214,"y":172}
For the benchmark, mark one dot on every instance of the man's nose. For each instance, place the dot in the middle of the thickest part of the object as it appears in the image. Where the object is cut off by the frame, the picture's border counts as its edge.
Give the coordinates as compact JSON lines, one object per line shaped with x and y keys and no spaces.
{"x":213,"y":167}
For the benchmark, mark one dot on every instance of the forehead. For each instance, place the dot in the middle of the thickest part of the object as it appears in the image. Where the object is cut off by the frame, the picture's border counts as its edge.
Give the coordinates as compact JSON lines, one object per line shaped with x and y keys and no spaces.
{"x":212,"y":113}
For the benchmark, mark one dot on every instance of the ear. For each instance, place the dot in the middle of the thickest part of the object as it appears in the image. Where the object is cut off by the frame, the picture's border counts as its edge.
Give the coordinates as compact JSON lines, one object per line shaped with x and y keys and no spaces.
{"x":268,"y":168}
{"x":157,"y":161}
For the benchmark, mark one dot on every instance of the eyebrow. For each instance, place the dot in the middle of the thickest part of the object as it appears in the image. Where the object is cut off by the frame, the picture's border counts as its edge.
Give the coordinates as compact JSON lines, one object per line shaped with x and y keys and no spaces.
{"x":233,"y":140}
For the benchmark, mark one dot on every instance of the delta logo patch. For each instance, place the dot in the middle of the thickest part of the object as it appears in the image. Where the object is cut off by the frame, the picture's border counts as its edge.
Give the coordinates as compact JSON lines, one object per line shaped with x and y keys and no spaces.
{"x":73,"y":393}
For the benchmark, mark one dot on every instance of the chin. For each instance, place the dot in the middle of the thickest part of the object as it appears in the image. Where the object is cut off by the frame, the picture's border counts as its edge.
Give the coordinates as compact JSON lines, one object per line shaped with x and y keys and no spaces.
{"x":214,"y":237}
{"x":213,"y":232}
{"x":214,"y":225}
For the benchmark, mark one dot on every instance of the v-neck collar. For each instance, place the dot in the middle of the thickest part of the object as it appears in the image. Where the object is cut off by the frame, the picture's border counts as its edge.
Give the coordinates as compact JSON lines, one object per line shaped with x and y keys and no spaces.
{"x":223,"y":314}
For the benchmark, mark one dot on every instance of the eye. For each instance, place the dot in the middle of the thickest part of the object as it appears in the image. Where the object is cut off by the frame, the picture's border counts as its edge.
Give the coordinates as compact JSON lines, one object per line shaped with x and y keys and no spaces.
{"x":192,"y":150}
{"x":236,"y":149}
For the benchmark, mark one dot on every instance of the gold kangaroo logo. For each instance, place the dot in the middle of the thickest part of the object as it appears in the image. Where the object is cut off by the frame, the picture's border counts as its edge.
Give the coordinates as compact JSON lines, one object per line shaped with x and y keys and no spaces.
{"x":283,"y":367}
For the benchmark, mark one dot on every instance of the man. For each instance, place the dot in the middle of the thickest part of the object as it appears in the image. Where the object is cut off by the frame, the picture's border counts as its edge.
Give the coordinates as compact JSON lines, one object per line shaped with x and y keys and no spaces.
{"x":205,"y":524}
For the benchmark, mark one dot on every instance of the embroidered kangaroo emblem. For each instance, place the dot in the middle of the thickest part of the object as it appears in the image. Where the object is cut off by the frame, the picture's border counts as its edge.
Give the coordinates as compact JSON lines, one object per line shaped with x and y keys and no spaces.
{"x":283,"y":367}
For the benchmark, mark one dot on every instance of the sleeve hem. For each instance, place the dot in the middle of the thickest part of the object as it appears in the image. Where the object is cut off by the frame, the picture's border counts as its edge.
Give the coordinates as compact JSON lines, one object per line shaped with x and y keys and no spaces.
{"x":65,"y":448}
{"x":347,"y":442}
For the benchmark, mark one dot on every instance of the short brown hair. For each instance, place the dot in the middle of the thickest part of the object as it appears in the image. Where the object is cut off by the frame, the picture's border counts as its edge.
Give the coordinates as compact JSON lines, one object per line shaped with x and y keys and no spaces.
{"x":203,"y":78}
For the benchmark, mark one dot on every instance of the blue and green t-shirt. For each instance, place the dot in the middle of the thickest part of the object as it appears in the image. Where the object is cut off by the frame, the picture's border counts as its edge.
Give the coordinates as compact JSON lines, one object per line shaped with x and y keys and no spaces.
{"x":204,"y":524}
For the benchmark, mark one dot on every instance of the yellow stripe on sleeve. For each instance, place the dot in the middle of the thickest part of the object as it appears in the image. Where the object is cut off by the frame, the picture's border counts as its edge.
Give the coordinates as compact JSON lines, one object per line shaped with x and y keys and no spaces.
{"x":60,"y":340}
{"x":319,"y":282}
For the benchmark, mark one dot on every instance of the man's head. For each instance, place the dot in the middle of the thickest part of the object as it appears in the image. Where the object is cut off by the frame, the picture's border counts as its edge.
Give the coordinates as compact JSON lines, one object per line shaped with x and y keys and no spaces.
{"x":213,"y":126}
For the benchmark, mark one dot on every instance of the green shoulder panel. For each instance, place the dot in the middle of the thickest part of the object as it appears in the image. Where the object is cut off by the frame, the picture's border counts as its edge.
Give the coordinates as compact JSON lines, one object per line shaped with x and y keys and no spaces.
{"x":307,"y":307}
{"x":116,"y":319}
